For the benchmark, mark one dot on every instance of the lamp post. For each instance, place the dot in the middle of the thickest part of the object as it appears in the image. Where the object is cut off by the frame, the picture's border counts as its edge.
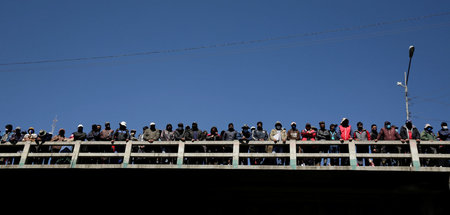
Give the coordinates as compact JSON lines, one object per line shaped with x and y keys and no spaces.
{"x":411,"y":53}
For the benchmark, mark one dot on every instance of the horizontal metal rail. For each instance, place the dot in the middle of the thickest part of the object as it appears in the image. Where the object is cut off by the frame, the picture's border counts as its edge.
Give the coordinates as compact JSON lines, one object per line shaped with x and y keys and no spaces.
{"x":24,"y":151}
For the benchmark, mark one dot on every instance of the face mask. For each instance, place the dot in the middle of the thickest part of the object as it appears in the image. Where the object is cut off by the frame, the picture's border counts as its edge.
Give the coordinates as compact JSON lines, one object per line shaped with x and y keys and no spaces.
{"x":278,"y":127}
{"x":444,"y":127}
{"x":388,"y":126}
{"x":294,"y":127}
{"x":260,"y":128}
{"x":429,"y":129}
{"x":360,"y":128}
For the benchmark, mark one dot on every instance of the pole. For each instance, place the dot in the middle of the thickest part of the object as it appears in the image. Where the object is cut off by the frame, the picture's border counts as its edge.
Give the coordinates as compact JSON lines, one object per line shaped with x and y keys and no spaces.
{"x":406,"y":97}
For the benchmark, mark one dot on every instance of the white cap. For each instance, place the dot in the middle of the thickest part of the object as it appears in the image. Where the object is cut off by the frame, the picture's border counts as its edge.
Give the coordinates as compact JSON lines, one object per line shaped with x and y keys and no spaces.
{"x":152,"y":123}
{"x":293,"y":123}
{"x":123,"y":123}
{"x":80,"y":125}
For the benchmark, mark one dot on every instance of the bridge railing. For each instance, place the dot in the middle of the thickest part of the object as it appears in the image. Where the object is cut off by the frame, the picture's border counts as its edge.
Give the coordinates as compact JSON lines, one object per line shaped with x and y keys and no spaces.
{"x":351,"y":155}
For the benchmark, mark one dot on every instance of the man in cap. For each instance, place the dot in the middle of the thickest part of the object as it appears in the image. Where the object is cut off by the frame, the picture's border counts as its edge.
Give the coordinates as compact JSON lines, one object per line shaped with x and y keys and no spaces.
{"x":7,"y":134}
{"x":152,"y":134}
{"x":79,"y":134}
{"x":277,"y":135}
{"x":428,"y":135}
{"x":293,"y":133}
{"x":179,"y":133}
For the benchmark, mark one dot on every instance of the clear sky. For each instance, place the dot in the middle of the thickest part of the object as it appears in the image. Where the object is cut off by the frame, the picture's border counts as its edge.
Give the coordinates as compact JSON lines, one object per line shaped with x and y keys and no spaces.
{"x":343,"y":71}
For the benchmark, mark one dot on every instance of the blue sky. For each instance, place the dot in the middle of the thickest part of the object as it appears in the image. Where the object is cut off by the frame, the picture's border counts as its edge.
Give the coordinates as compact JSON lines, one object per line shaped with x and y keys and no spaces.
{"x":348,"y":73}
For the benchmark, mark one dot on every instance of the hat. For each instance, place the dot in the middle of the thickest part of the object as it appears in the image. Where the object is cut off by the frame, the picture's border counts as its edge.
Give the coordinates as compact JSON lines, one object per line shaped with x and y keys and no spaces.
{"x":321,"y":122}
{"x":42,"y":132}
{"x":80,"y":125}
{"x":278,"y":122}
{"x":343,"y":119}
{"x":408,"y":121}
{"x":18,"y":128}
{"x":428,"y":125}
{"x":31,"y":128}
{"x":253,"y":127}
{"x":293,"y":123}
{"x":152,"y":123}
{"x":123,"y":123}
{"x":245,"y":126}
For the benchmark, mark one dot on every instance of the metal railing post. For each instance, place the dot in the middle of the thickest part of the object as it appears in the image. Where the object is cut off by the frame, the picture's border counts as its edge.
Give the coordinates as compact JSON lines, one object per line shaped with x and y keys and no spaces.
{"x":414,"y":155}
{"x":24,"y":155}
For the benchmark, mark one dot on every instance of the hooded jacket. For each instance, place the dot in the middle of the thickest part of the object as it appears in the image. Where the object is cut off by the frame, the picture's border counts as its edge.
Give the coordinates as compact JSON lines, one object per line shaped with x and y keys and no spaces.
{"x":151,"y":135}
{"x":388,"y":134}
{"x":444,"y":134}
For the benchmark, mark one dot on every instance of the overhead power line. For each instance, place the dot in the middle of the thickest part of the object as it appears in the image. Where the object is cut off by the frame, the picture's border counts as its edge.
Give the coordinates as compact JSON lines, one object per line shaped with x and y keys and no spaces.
{"x":229,"y":44}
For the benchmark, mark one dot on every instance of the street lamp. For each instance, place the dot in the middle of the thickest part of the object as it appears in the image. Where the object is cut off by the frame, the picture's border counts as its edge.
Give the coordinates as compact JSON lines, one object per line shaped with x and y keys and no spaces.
{"x":411,"y":53}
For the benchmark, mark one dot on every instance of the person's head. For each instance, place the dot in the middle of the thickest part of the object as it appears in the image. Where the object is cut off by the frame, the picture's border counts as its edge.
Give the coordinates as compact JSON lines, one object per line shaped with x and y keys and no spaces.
{"x":408,"y":124}
{"x":444,"y":125}
{"x":61,"y":132}
{"x":169,"y":127}
{"x":144,"y":128}
{"x":94,"y":127}
{"x":152,"y":126}
{"x":308,"y":126}
{"x":387,"y":125}
{"x":322,"y":125}
{"x":42,"y":133}
{"x":344,"y":122}
{"x":9,"y":128}
{"x":333,"y":127}
{"x":278,"y":125}
{"x":294,"y":126}
{"x":360,"y":126}
{"x":428,"y":128}
{"x":18,"y":130}
{"x":259,"y":125}
{"x":30,"y":130}
{"x":252,"y":128}
{"x":80,"y":128}
{"x":122,"y":125}
{"x":374,"y":127}
{"x":230,"y":127}
{"x":133,"y":132}
{"x":188,"y":127}
{"x":180,"y":126}
{"x":107,"y":125}
{"x":99,"y":127}
{"x":245,"y":128}
{"x":214,"y":130}
{"x":194,"y":126}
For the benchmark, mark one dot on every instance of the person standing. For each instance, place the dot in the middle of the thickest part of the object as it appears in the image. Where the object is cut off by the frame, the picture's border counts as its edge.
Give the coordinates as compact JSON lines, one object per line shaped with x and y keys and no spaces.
{"x":428,"y":135}
{"x":388,"y":133}
{"x":362,"y":134}
{"x":278,"y":135}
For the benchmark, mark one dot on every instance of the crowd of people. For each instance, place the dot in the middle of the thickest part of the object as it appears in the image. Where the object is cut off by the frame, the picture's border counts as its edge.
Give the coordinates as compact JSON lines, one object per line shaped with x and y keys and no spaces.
{"x":342,"y":132}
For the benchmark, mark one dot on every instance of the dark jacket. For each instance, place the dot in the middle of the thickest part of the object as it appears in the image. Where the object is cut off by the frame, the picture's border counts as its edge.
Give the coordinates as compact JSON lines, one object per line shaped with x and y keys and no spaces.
{"x":93,"y":136}
{"x":323,"y":134}
{"x":230,"y":135}
{"x":260,"y":134}
{"x":334,"y":135}
{"x":179,"y":133}
{"x":388,"y":134}
{"x":444,"y":134}
{"x":192,"y":134}
{"x":79,"y":136}
{"x":404,"y":133}
{"x":121,"y":135}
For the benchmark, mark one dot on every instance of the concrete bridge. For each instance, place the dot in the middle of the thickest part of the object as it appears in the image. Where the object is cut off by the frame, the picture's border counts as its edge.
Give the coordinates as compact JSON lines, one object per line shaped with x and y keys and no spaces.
{"x":183,"y":186}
